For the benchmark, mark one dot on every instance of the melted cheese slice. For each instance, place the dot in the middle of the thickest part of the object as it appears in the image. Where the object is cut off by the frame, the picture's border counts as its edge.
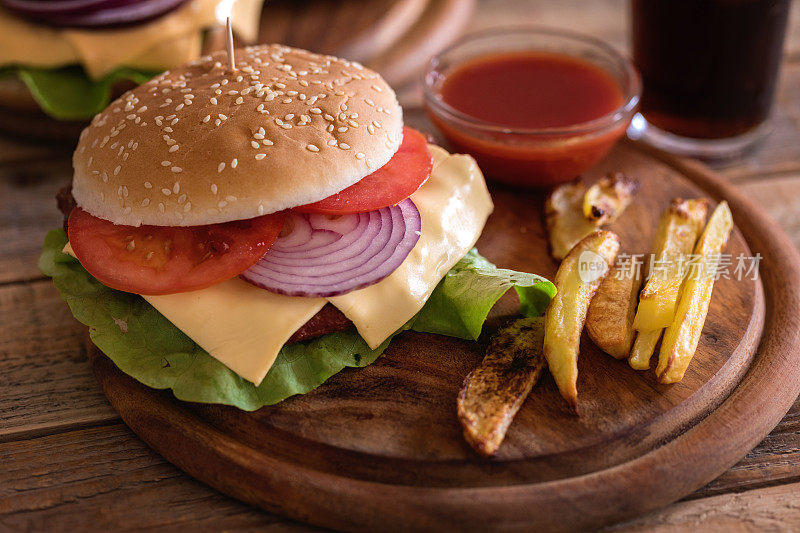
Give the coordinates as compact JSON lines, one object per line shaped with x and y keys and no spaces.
{"x":245,"y":327}
{"x":142,"y":46}
{"x":454,"y":204}
{"x":242,"y":326}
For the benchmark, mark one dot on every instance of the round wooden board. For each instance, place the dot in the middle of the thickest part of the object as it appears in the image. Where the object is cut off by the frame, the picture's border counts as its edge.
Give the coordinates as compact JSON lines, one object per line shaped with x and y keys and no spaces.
{"x":395,"y":37}
{"x":380,"y":447}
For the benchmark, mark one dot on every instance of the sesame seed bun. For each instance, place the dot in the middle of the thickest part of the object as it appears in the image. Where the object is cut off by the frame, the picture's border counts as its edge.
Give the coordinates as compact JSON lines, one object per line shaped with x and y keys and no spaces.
{"x":202,"y":144}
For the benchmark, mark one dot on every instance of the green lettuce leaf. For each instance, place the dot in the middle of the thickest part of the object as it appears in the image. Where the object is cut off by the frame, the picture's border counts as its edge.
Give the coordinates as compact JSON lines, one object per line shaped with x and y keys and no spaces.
{"x":148,"y":347}
{"x":67,"y":93}
{"x":460,"y":303}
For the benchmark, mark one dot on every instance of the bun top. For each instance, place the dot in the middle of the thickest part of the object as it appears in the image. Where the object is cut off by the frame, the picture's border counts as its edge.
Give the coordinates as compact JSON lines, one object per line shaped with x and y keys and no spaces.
{"x":202,"y":144}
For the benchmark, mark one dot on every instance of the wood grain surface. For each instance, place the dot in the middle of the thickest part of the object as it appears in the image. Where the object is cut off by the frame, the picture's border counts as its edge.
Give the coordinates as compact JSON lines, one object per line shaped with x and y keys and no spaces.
{"x":396,"y":37}
{"x":69,"y":463}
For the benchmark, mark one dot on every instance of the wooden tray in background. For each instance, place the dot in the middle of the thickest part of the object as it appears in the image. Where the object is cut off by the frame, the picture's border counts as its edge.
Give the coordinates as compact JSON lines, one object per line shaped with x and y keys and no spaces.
{"x":395,"y":37}
{"x":380,"y":447}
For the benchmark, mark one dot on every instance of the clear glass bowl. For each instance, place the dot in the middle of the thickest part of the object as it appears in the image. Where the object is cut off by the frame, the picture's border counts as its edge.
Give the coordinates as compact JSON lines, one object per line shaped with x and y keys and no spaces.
{"x":531,"y":157}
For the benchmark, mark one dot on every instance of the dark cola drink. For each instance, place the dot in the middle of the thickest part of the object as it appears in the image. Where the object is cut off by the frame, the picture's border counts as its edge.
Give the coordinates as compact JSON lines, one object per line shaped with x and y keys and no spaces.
{"x":709,"y":67}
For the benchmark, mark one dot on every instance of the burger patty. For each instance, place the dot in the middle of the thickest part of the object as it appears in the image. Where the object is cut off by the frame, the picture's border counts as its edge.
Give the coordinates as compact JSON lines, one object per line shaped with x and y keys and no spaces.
{"x":328,"y":320}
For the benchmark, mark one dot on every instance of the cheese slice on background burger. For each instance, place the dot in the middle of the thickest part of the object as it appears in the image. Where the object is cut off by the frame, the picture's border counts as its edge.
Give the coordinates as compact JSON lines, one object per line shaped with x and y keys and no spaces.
{"x":245,"y":205}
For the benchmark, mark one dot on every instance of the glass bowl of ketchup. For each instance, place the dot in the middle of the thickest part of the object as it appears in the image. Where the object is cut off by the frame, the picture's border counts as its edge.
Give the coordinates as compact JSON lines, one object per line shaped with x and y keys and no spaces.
{"x":534,"y":106}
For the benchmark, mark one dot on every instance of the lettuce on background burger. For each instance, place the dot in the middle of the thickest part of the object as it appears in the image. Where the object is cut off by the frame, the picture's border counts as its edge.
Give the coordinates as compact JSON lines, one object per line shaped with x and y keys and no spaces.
{"x":239,"y":236}
{"x":64,"y":60}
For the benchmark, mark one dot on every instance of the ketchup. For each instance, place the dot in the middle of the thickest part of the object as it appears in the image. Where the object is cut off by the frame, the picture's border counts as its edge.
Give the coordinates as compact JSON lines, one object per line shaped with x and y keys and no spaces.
{"x":531,"y":91}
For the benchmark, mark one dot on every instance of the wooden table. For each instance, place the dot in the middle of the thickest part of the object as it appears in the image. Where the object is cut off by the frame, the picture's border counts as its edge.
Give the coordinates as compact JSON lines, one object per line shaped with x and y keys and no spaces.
{"x":67,"y":461}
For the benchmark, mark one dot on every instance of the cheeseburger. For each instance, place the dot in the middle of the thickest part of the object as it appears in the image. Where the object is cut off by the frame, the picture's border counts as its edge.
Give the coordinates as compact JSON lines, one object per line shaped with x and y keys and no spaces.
{"x":61,"y":62}
{"x":240,"y":232}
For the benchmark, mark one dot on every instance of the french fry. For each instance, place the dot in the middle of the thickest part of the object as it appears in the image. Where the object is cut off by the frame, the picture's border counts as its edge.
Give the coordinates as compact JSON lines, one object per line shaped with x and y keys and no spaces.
{"x":493,"y":392}
{"x":677,"y":232}
{"x":577,"y":279}
{"x":609,"y":320}
{"x":643,"y":348}
{"x":572,"y":212}
{"x":681,"y":337}
{"x":564,"y":218}
{"x":605,"y":201}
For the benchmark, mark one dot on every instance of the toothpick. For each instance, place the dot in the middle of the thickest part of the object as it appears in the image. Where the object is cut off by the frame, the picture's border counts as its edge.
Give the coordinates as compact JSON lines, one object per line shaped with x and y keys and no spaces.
{"x":231,"y":60}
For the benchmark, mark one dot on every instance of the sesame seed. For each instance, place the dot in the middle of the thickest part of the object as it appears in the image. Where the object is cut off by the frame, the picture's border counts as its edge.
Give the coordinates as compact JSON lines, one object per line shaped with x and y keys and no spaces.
{"x":176,"y":169}
{"x":176,"y":188}
{"x":168,"y":129}
{"x":214,"y":187}
{"x":161,"y":207}
{"x":145,"y":202}
{"x":344,"y":146}
{"x":234,"y":163}
{"x":217,"y":122}
{"x":166,"y":192}
{"x":174,"y":148}
{"x":360,"y":155}
{"x":267,"y":142}
{"x":178,"y":107}
{"x":312,"y":147}
{"x":220,"y":168}
{"x":223,"y":117}
{"x":315,"y":111}
{"x":116,"y":170}
{"x":230,"y":198}
{"x":187,"y":207}
{"x":208,"y":117}
{"x":148,"y":185}
{"x":166,"y":163}
{"x":260,"y":156}
{"x":254,"y":144}
{"x":213,"y":100}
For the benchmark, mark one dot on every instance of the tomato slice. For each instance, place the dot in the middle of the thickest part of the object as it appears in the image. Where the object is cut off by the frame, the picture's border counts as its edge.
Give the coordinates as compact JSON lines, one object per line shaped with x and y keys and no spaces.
{"x":169,"y":259}
{"x":395,"y":181}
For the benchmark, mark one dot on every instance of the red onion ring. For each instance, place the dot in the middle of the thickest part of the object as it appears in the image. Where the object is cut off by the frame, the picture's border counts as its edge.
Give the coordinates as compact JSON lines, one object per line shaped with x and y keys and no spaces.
{"x":320,"y":256}
{"x":91,"y":13}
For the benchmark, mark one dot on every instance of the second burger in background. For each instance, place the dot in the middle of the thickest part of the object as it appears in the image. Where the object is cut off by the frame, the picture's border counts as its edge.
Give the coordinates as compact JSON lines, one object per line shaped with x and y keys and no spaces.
{"x":61,"y":62}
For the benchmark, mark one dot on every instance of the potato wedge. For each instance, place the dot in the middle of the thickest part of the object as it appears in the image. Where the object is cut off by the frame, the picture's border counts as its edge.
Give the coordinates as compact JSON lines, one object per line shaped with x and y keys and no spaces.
{"x":577,"y":279}
{"x":678,"y":230}
{"x":572,"y":212}
{"x":643,"y":349}
{"x":605,"y":201}
{"x":563,"y":214}
{"x":493,"y":393}
{"x":681,"y":337}
{"x":609,"y":320}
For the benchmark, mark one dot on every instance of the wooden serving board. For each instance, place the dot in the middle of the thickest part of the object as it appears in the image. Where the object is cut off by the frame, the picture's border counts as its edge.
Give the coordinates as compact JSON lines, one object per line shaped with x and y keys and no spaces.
{"x":380,"y":447}
{"x":395,"y":37}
